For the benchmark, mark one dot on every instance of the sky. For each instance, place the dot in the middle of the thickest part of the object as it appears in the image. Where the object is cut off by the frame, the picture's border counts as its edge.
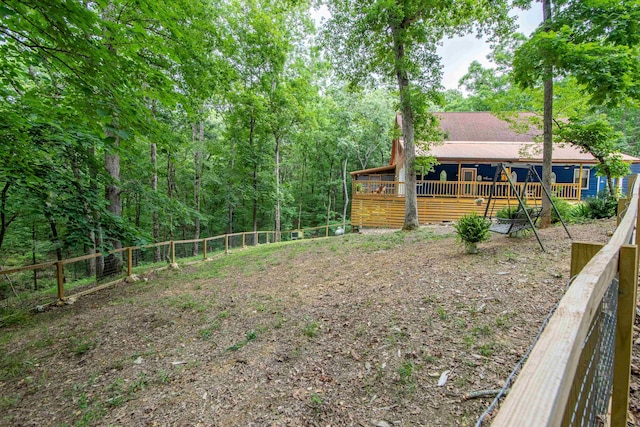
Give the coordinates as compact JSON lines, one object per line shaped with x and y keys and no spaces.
{"x":458,"y":53}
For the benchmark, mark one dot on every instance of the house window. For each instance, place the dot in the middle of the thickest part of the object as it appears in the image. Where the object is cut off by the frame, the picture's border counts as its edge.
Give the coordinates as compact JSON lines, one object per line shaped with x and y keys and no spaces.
{"x":585,"y":177}
{"x":443,"y":176}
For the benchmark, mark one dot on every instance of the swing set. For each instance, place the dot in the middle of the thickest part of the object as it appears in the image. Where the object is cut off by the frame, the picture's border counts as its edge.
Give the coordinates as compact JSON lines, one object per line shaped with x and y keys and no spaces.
{"x":525,"y":217}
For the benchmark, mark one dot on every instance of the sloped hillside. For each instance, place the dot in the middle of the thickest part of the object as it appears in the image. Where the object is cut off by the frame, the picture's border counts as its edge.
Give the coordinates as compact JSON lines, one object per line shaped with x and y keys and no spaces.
{"x":341,"y":331}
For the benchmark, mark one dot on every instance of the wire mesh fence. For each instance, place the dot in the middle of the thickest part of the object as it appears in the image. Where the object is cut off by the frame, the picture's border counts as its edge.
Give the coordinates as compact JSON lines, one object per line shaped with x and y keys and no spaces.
{"x":577,"y":373}
{"x":79,"y":275}
{"x":144,"y":257}
{"x":591,"y":390}
{"x":39,"y":280}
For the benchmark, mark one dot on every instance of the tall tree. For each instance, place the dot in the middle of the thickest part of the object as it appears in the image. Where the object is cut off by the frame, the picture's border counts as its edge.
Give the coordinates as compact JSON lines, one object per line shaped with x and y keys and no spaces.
{"x":594,"y":41}
{"x":397,"y":40}
{"x":547,"y":126}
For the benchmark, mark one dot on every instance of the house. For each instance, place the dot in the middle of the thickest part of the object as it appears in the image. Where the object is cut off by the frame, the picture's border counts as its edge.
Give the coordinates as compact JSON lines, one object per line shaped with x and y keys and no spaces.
{"x":475,"y":143}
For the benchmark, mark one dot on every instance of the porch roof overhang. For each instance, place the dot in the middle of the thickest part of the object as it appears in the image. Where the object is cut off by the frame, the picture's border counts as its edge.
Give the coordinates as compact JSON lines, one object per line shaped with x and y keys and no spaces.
{"x":373,"y":170}
{"x":508,"y":152}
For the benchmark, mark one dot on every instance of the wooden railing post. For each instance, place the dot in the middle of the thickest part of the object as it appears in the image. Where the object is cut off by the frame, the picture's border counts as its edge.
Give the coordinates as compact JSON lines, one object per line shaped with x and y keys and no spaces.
{"x":244,"y":240}
{"x":326,"y":233}
{"x":60,"y":276}
{"x":173,"y":252}
{"x":226,"y":243}
{"x":204,"y":249}
{"x":627,"y":294}
{"x":129,"y":261}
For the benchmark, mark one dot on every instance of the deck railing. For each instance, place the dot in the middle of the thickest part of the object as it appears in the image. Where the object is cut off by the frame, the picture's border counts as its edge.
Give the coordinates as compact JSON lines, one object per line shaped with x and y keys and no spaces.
{"x":471,"y":189}
{"x":577,"y":373}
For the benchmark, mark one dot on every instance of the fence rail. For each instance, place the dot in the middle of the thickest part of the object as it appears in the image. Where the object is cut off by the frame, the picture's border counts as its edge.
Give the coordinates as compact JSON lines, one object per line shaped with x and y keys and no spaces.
{"x":578,"y":371}
{"x":88,"y":273}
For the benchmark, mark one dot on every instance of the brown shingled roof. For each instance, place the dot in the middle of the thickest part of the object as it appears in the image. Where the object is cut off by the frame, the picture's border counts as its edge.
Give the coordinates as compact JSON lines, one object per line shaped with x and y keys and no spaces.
{"x":482,"y":137}
{"x":483,"y":126}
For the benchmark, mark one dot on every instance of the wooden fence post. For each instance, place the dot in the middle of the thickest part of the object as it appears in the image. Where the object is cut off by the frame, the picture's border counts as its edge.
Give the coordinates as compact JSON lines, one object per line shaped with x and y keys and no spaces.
{"x":581,"y":254}
{"x":60,"y":276}
{"x":244,"y":240}
{"x":173,"y":252}
{"x":204,"y":249}
{"x":226,"y":243}
{"x":326,"y":232}
{"x":627,"y":294}
{"x":129,"y":261}
{"x":635,"y":238}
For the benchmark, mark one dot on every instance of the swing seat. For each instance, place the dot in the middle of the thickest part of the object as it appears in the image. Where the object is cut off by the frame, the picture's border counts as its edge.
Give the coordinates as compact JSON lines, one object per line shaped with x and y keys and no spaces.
{"x":518,"y":223}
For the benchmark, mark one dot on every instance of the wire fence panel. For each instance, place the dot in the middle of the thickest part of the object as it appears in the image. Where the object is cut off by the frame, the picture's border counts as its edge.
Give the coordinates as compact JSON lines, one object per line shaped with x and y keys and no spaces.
{"x":38,"y":280}
{"x":149,"y":256}
{"x":189,"y":250}
{"x":236,"y":241}
{"x":250,"y":239}
{"x":215,"y":246}
{"x":591,"y":390}
{"x":81,"y":274}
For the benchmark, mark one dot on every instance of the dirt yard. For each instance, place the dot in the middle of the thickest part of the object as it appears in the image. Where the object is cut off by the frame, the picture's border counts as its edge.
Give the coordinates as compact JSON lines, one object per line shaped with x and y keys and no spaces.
{"x":350,"y":331}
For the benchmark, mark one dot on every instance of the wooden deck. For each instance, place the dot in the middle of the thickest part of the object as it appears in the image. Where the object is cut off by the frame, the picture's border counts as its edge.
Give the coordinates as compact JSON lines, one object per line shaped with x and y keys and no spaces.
{"x":381,"y":204}
{"x":381,"y":211}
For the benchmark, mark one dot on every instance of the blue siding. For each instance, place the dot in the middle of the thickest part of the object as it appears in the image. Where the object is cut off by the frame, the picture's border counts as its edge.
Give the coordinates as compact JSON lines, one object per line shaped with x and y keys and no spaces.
{"x":564,"y":174}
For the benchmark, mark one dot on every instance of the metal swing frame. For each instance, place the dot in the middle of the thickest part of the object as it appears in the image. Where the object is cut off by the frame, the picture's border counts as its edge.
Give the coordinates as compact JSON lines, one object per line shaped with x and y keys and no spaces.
{"x":522,"y":212}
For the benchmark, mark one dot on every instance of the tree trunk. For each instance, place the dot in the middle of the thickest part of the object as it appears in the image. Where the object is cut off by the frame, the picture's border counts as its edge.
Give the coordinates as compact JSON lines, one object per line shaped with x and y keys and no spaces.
{"x":410,"y":197}
{"x":230,"y":184}
{"x":254,"y":177}
{"x":154,"y":214}
{"x":346,"y":194}
{"x":171,"y":182}
{"x":33,"y":255}
{"x":547,"y":147}
{"x":612,"y":189}
{"x":112,"y":190}
{"x":55,"y":239}
{"x":100,"y":260}
{"x":91,"y":249}
{"x":328,"y":205}
{"x":198,"y":137}
{"x":4,"y":220}
{"x":277,"y":176}
{"x":304,"y":170}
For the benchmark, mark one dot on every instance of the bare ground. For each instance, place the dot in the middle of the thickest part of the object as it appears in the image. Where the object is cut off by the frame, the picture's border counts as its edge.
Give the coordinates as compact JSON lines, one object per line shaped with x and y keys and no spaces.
{"x":342,"y":331}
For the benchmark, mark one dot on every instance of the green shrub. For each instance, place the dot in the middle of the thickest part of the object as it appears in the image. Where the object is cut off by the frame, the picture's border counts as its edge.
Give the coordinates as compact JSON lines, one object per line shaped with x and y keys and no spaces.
{"x":602,"y":206}
{"x":579,"y":213}
{"x":472,"y":228}
{"x":565,"y":208}
{"x":507,"y":212}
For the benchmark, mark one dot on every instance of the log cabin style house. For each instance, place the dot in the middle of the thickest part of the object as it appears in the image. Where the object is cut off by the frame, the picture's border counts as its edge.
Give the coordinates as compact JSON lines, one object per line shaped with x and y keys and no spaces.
{"x":474,"y":146}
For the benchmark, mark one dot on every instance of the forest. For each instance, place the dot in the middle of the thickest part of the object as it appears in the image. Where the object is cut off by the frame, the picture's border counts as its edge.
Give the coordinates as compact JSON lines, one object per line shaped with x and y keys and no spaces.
{"x":131,"y":122}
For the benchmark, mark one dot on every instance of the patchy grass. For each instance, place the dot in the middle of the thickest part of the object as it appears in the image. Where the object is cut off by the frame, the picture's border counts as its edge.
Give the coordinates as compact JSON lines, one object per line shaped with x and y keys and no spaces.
{"x":313,"y":332}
